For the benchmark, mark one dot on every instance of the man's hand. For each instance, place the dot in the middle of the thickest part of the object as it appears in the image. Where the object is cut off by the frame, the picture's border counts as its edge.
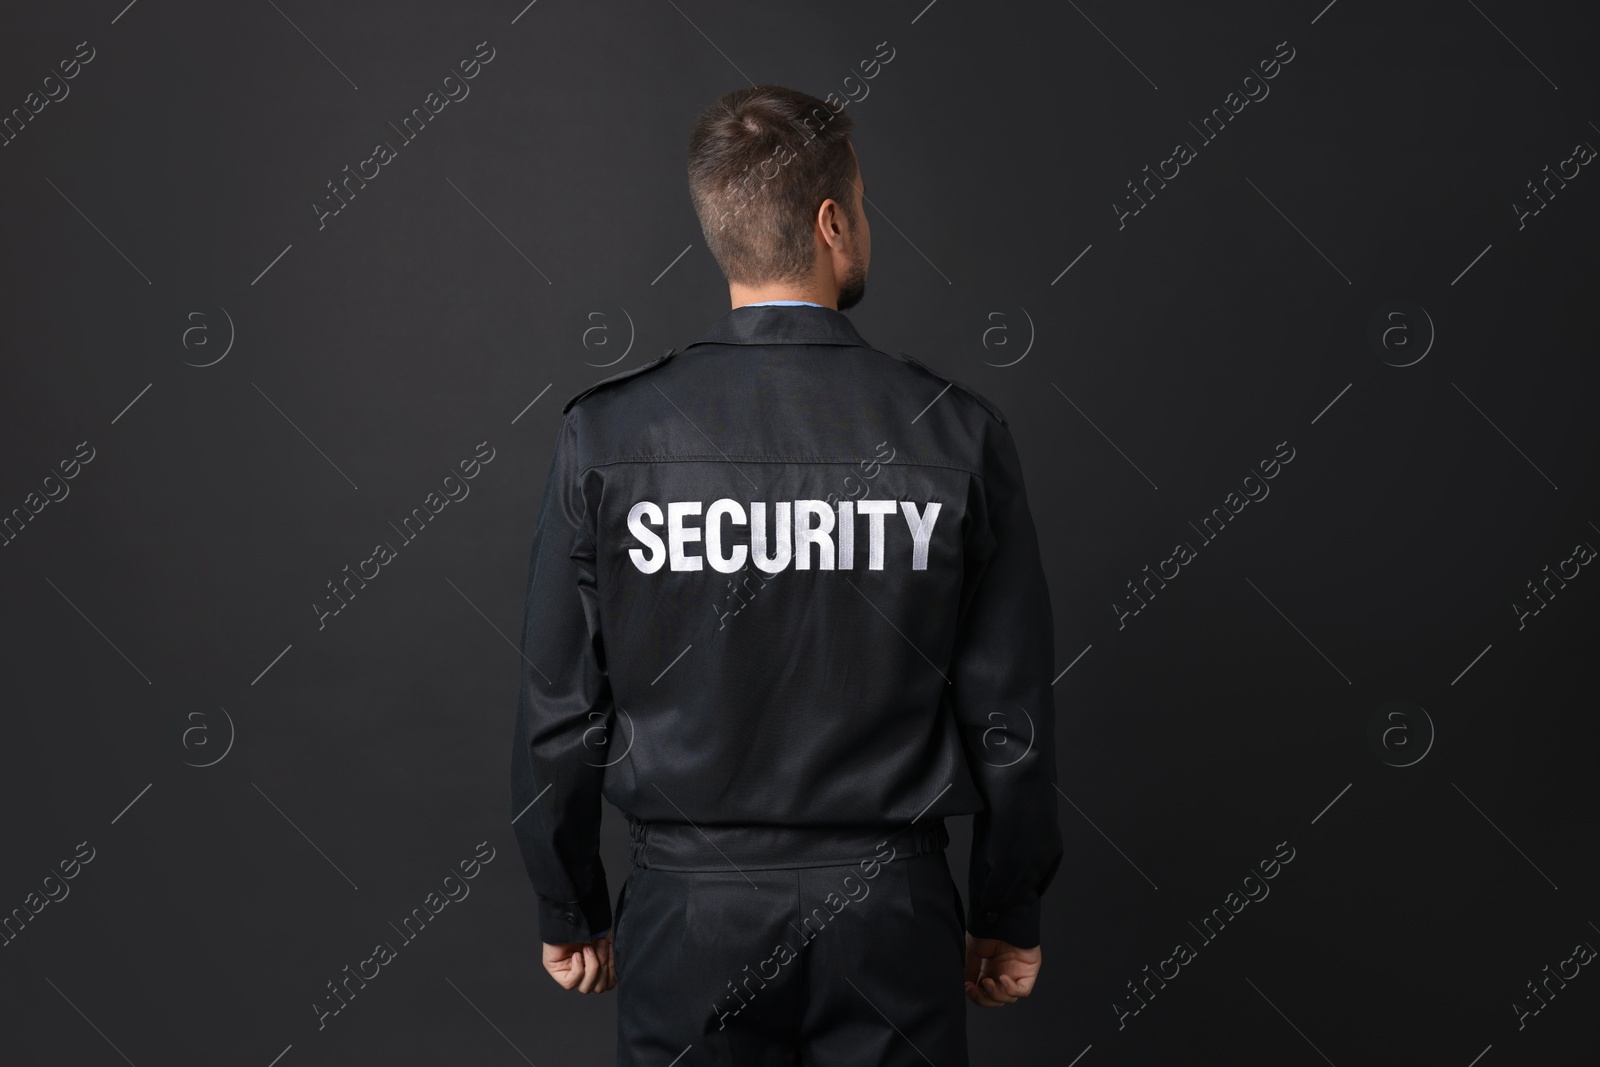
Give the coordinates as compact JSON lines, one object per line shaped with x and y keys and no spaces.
{"x":586,"y":966}
{"x":999,"y":974}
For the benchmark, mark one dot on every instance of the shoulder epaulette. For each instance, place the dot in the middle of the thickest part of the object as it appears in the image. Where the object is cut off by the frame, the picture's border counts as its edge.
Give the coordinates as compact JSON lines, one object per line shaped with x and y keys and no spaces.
{"x":668,"y":354}
{"x":988,"y":405}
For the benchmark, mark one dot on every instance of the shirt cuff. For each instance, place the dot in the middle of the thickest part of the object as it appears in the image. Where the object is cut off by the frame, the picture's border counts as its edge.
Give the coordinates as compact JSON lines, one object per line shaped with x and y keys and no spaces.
{"x":570,"y":922}
{"x":1017,"y":926}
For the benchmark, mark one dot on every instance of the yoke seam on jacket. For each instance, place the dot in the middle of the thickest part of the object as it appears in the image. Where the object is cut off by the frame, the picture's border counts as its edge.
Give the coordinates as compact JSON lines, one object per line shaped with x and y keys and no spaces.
{"x":764,"y":458}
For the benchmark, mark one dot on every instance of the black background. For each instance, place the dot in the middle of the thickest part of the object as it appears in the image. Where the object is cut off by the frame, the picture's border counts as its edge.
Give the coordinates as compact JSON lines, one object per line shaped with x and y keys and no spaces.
{"x":164,"y":605}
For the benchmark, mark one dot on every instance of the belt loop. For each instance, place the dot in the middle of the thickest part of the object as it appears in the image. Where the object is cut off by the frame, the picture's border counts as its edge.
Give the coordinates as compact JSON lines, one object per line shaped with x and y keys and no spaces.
{"x":637,"y":842}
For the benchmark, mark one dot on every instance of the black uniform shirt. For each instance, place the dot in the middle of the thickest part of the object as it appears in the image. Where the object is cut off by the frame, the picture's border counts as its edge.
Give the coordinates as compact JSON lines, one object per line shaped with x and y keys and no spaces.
{"x":781,"y":578}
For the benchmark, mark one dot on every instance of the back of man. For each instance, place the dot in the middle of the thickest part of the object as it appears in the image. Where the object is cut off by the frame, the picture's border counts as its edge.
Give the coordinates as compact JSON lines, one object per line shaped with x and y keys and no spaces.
{"x":786,"y":611}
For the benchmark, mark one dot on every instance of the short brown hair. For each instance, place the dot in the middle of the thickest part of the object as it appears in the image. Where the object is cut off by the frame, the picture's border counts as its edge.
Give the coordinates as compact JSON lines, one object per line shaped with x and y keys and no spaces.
{"x":761,"y":161}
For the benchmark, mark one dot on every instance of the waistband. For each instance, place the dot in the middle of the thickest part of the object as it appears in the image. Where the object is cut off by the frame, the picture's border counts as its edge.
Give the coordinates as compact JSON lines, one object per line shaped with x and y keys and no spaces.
{"x":683,"y":847}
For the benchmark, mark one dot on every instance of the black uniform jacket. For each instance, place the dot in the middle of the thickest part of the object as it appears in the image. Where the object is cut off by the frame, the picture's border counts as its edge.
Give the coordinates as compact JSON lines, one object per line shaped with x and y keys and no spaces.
{"x":782,"y":578}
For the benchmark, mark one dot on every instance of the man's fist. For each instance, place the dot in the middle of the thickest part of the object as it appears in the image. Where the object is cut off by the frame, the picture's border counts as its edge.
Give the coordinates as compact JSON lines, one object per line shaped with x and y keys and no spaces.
{"x":587,"y":966}
{"x":999,"y":974}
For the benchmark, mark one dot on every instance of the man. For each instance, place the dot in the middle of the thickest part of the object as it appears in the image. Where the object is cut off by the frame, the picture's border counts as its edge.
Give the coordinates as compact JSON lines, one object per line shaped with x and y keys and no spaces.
{"x":786,"y":611}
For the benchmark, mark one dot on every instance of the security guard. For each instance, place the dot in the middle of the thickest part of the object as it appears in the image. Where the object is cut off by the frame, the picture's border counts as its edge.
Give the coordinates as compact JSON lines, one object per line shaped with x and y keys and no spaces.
{"x":786,"y":611}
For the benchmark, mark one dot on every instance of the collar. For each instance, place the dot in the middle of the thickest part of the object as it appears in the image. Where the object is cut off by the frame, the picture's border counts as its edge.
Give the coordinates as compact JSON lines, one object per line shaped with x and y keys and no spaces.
{"x":777,"y":324}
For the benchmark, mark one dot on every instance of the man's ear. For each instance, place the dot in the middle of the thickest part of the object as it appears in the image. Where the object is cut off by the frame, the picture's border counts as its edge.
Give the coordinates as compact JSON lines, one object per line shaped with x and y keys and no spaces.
{"x":829,"y":218}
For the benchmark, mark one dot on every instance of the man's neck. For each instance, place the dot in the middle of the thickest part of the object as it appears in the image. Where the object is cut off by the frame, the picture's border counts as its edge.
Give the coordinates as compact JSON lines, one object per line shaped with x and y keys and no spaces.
{"x":740,"y":294}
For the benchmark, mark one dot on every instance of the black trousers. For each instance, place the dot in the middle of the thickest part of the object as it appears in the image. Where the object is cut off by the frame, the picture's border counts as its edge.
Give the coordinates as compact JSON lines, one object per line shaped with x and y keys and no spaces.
{"x":768,"y":946}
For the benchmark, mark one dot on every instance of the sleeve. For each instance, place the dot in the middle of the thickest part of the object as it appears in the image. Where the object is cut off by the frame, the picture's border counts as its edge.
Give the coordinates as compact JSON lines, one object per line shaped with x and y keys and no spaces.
{"x":564,"y":701}
{"x":1000,"y":685}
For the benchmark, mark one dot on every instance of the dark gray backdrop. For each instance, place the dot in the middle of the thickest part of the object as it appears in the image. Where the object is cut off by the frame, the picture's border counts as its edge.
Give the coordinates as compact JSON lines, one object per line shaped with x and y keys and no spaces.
{"x":1343,"y":671}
